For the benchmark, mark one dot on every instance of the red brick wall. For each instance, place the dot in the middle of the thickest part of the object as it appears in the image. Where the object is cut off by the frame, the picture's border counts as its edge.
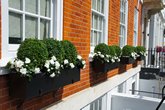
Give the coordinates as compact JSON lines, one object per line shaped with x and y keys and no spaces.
{"x":77,"y":20}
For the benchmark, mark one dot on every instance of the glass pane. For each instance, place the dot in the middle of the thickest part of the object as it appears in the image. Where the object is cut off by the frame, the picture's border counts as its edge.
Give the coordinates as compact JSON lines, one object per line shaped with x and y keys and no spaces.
{"x":92,"y":20}
{"x":31,"y":27}
{"x":92,"y":38}
{"x":95,"y":21}
{"x":15,"y":4}
{"x":99,"y":38}
{"x":15,"y":28}
{"x":44,"y":29}
{"x":95,"y":37}
{"x":102,"y":6}
{"x":45,"y":8}
{"x":31,"y":6}
{"x":100,"y":23}
{"x":98,"y":5}
{"x":94,"y":4}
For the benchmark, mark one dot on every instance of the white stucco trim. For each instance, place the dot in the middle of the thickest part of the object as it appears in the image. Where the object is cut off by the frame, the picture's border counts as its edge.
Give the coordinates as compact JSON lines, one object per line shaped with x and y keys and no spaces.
{"x":83,"y":98}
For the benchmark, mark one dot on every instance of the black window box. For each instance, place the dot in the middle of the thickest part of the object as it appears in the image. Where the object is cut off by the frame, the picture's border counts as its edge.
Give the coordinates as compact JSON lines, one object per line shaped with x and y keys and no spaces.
{"x":22,"y":88}
{"x":103,"y":67}
{"x":140,"y":58}
{"x":127,"y":60}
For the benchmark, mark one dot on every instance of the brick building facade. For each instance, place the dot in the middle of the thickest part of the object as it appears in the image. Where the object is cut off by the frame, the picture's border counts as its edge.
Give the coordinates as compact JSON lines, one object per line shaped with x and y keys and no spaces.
{"x":77,"y":29}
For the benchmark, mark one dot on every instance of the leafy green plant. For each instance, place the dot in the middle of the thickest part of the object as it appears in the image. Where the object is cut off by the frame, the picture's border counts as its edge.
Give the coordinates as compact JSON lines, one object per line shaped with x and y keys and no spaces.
{"x":70,"y":51}
{"x":33,"y":49}
{"x":103,"y":48}
{"x":127,"y":51}
{"x":140,"y":50}
{"x":117,"y":50}
{"x":54,"y":48}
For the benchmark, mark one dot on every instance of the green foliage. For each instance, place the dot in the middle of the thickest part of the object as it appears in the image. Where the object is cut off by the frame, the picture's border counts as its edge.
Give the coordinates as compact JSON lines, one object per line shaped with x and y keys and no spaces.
{"x":111,"y":51}
{"x":35,"y":50}
{"x":127,"y":50}
{"x":70,"y":51}
{"x":140,"y":49}
{"x":54,"y":48}
{"x":117,"y":50}
{"x":103,"y":48}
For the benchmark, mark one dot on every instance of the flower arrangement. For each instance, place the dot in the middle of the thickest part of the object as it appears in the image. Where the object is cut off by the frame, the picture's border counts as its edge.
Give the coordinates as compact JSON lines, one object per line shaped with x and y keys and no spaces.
{"x":129,"y":51}
{"x":141,"y":51}
{"x":48,"y":56}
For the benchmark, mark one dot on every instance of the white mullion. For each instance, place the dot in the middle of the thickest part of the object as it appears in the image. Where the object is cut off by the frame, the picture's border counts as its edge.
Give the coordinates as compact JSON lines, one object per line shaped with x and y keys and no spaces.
{"x":98,"y":13}
{"x":51,"y":21}
{"x":96,"y":4}
{"x":39,"y":19}
{"x":23,"y":24}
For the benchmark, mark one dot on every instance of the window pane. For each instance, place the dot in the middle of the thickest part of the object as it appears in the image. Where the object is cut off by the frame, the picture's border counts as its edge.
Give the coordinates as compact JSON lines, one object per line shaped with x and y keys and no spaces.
{"x":102,"y":7}
{"x":99,"y":38}
{"x":101,"y":23}
{"x":31,"y":6}
{"x":15,"y":4}
{"x":44,"y":29}
{"x":45,"y":7}
{"x":31,"y":27}
{"x":95,"y":38}
{"x":15,"y":28}
{"x":92,"y":42}
{"x":95,"y":21}
{"x":98,"y":5}
{"x":94,"y":4}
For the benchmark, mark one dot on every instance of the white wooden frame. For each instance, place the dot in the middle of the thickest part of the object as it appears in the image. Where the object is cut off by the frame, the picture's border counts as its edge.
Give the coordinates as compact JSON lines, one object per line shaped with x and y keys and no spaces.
{"x":104,"y":23}
{"x":125,"y":25}
{"x":9,"y":51}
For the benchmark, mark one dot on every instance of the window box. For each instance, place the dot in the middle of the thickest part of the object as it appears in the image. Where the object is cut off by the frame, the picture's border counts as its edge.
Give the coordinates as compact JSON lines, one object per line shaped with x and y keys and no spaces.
{"x":103,"y":67}
{"x":140,"y":58}
{"x":127,"y":60}
{"x":22,"y":88}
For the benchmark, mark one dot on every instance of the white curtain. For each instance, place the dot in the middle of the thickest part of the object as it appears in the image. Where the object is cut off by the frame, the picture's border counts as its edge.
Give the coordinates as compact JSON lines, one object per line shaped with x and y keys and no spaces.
{"x":44,"y":29}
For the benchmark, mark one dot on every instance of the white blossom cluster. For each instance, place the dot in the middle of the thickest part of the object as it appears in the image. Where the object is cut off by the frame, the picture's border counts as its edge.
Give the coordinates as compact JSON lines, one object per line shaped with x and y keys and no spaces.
{"x":105,"y":58}
{"x":67,"y":64}
{"x":52,"y":66}
{"x":117,"y":59}
{"x":81,"y":62}
{"x":24,"y":67}
{"x":143,"y":53}
{"x":134,"y":55}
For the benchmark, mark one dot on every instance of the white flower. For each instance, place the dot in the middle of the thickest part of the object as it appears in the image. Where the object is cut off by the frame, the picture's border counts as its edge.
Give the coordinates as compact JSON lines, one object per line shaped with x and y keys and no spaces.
{"x":102,"y":56}
{"x":107,"y":56}
{"x":57,"y":65}
{"x":19,"y":63}
{"x":83,"y":62}
{"x":48,"y":70}
{"x":54,"y":58}
{"x":51,"y":61}
{"x":47,"y":64}
{"x":112,"y":60}
{"x":72,"y":65}
{"x":23,"y":71}
{"x":99,"y":52}
{"x":37,"y":70}
{"x":52,"y":75}
{"x":79,"y":57}
{"x":66,"y":61}
{"x":62,"y":66}
{"x":27,"y":60}
{"x":108,"y":61}
{"x":118,"y":60}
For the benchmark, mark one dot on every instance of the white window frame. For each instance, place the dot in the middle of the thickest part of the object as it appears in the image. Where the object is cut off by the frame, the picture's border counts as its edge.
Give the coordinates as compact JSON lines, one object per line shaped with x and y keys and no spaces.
{"x":9,"y":51}
{"x":125,"y":25}
{"x":105,"y":26}
{"x":136,"y":19}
